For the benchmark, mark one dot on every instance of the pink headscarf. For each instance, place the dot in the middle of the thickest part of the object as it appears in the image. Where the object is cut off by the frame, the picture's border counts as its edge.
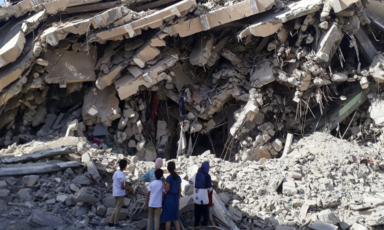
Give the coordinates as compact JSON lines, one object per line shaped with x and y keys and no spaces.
{"x":158,"y":163}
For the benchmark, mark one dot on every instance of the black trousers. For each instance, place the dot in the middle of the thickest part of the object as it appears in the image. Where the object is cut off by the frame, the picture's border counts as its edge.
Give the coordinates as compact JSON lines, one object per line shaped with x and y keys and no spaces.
{"x":201,"y":210}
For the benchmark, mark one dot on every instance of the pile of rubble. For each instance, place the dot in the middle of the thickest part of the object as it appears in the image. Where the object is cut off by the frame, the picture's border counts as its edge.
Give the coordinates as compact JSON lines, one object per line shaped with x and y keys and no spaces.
{"x":323,"y":183}
{"x":159,"y":78}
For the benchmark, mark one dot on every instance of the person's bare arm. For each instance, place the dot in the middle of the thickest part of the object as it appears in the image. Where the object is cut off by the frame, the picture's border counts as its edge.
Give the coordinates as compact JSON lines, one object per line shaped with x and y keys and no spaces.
{"x":165,"y":185}
{"x":180,"y":191}
{"x":147,"y":201}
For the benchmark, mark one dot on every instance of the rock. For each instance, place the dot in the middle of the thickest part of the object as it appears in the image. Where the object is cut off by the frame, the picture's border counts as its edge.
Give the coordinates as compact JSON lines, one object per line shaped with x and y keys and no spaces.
{"x":289,"y":188}
{"x":101,"y":209}
{"x":87,"y":195}
{"x":30,"y":180}
{"x":39,"y":219}
{"x":81,"y":180}
{"x":61,"y":197}
{"x":50,"y":201}
{"x":109,"y":202}
{"x":320,"y":225}
{"x":123,"y":213}
{"x":25,"y":194}
{"x":4,"y":193}
{"x":224,"y":197}
{"x":357,"y":226}
{"x":3,"y":184}
{"x":74,"y":188}
{"x":329,"y":217}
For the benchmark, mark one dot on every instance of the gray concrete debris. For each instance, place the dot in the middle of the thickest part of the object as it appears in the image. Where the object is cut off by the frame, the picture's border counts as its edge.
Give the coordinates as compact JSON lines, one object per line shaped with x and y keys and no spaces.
{"x":40,"y":219}
{"x":87,"y":195}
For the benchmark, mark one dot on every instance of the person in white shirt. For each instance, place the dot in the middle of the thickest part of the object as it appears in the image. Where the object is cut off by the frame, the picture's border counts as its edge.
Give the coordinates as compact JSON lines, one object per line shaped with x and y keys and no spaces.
{"x":203,"y":185}
{"x":119,"y":191}
{"x":154,"y":201}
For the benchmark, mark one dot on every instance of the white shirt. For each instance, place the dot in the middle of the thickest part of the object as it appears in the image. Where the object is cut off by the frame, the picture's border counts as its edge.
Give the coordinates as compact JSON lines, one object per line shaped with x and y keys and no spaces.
{"x":156,"y":198}
{"x":200,"y":195}
{"x":118,"y":177}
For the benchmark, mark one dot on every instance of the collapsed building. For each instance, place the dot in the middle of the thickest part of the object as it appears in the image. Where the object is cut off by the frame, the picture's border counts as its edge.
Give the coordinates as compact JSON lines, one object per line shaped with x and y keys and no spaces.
{"x":174,"y":79}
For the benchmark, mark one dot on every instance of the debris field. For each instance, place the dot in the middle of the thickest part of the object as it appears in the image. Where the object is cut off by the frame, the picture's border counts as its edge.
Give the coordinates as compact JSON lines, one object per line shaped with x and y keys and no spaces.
{"x":282,"y":97}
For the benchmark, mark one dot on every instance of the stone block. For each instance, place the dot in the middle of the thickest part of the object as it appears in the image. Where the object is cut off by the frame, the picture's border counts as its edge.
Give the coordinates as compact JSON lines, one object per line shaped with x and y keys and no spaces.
{"x":4,"y":193}
{"x":3,"y":184}
{"x":328,"y":216}
{"x":87,"y":195}
{"x":320,"y":225}
{"x":123,"y":213}
{"x":61,"y":197}
{"x":39,"y":219}
{"x":100,"y":211}
{"x":109,"y":202}
{"x":81,"y":180}
{"x":30,"y":180}
{"x":24,"y":194}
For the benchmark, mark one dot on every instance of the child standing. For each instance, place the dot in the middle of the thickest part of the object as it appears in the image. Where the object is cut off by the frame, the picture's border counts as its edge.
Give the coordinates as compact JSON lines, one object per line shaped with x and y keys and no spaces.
{"x":119,"y":188}
{"x":155,"y":200}
{"x":171,"y":201}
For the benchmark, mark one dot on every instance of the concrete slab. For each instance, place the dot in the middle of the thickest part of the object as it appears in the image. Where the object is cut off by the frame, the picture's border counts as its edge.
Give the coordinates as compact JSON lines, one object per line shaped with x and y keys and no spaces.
{"x":129,"y":85}
{"x":70,"y":66}
{"x":74,"y":25}
{"x":220,"y":17}
{"x":11,"y":44}
{"x":36,"y":168}
{"x":152,"y":21}
{"x":268,"y":23}
{"x":107,"y":105}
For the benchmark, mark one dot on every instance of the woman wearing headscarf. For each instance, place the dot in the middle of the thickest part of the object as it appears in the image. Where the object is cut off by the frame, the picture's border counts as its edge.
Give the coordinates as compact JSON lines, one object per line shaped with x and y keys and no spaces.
{"x":150,"y":175}
{"x":203,"y":185}
{"x":172,"y":186}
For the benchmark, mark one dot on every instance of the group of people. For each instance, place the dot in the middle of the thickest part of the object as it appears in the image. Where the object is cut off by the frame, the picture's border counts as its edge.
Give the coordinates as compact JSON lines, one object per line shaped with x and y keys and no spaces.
{"x":164,"y":194}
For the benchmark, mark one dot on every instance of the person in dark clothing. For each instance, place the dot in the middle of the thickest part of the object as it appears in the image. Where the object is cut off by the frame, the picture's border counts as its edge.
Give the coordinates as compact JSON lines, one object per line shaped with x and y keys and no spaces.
{"x":172,"y":186}
{"x":203,"y":185}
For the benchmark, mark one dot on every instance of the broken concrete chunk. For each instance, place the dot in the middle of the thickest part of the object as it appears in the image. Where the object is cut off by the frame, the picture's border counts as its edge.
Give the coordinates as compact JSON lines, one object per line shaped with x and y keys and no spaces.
{"x":270,"y":22}
{"x":340,"y":5}
{"x":91,"y":167}
{"x":39,"y":155}
{"x":70,"y":67}
{"x":39,"y":219}
{"x":107,"y":104}
{"x":129,"y":85}
{"x":149,"y":51}
{"x":220,"y":17}
{"x":11,"y":44}
{"x":87,"y":195}
{"x":202,"y":51}
{"x":53,"y":34}
{"x":320,"y":225}
{"x":377,"y":68}
{"x":30,"y":180}
{"x":152,"y":21}
{"x":108,"y":17}
{"x":328,"y":44}
{"x":14,"y":70}
{"x":263,"y":75}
